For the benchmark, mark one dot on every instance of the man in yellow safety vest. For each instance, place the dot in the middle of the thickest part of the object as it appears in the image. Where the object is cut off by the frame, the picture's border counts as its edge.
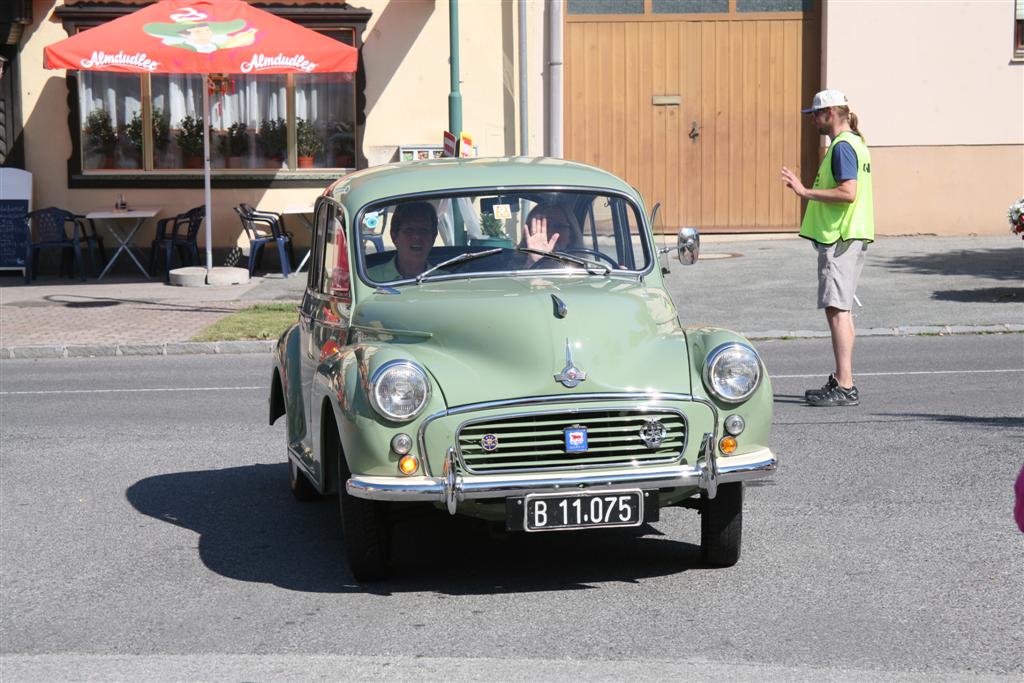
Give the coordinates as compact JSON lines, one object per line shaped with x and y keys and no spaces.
{"x":840,"y":222}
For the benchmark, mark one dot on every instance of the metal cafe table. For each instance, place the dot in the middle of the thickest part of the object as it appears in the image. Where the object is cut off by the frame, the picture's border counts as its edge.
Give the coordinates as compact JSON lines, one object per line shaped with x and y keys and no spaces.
{"x":114,"y":222}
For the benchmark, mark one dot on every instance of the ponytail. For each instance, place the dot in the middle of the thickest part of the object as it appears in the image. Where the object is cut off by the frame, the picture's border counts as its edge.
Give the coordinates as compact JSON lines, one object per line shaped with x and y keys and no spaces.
{"x":852,"y":118}
{"x":853,"y":126}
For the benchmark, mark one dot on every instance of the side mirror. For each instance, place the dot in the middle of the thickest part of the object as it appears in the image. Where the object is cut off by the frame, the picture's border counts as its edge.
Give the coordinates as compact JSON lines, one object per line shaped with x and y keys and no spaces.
{"x":688,"y":245}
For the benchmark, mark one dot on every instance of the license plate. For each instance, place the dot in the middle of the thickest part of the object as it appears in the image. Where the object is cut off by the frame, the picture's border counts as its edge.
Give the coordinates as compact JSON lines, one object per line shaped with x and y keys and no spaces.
{"x":556,"y":511}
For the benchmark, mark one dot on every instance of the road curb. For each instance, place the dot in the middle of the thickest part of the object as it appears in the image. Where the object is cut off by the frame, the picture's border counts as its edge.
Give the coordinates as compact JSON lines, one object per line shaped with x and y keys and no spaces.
{"x":267,"y":345}
{"x":900,"y":331}
{"x":151,"y":349}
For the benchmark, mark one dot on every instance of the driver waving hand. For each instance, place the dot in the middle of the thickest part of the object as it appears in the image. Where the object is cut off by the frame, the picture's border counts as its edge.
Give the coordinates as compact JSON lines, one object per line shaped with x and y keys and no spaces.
{"x":549,"y":227}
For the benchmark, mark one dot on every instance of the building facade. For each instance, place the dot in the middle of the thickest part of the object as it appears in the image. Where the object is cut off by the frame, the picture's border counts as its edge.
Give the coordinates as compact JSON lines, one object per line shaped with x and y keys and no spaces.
{"x":695,"y":102}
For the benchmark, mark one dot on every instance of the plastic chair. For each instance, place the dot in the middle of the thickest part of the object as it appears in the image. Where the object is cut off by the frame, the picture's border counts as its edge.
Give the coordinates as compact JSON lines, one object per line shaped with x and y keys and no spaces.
{"x":184,"y":230}
{"x":51,"y":232}
{"x":263,"y":227}
{"x":92,"y":236}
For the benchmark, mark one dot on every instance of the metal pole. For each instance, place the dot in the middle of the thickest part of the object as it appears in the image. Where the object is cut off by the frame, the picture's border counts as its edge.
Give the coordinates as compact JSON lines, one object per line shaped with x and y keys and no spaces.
{"x":555,"y":78}
{"x":206,"y":176}
{"x":524,"y":140}
{"x":454,"y":97}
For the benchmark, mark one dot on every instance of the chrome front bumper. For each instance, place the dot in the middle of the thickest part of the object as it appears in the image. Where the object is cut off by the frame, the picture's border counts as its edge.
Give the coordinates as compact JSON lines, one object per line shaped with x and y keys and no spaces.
{"x":451,"y":488}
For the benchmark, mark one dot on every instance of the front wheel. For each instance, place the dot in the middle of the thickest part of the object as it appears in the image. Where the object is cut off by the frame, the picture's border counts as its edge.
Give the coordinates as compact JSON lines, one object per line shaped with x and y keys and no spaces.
{"x":365,"y":529}
{"x":721,"y":525}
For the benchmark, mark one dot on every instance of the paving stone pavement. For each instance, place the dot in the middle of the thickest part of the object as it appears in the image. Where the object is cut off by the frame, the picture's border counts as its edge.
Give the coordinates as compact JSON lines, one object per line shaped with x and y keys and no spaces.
{"x":911,"y":285}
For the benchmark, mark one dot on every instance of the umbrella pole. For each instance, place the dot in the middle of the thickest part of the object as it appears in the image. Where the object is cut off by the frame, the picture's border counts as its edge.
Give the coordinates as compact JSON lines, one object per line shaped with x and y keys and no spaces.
{"x":206,"y":177}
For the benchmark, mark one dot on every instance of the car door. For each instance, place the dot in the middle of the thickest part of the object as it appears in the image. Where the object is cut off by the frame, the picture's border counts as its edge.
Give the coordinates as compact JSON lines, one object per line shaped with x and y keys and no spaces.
{"x":307,"y":331}
{"x":326,"y":312}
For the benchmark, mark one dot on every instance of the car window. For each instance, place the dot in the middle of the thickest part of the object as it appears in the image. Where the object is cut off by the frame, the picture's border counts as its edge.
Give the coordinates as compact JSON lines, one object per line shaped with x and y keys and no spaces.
{"x":602,"y":230}
{"x":336,"y":278}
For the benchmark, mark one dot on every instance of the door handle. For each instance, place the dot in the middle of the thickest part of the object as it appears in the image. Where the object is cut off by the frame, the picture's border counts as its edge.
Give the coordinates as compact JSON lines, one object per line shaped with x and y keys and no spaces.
{"x":694,"y":131}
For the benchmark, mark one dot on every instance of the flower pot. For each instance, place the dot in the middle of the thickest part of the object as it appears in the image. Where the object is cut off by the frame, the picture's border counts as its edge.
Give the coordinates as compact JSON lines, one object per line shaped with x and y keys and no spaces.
{"x":305,"y":162}
{"x":343,"y":161}
{"x":192,"y":161}
{"x":236,"y":162}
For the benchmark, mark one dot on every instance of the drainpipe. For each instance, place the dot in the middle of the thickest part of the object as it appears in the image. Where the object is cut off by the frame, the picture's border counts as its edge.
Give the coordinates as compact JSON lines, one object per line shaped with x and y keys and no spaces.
{"x":454,"y":97}
{"x":554,"y":108}
{"x":524,"y":144}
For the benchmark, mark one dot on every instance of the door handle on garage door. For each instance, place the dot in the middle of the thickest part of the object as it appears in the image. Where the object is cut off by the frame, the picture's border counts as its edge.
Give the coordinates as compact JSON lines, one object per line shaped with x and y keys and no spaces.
{"x":694,"y":131}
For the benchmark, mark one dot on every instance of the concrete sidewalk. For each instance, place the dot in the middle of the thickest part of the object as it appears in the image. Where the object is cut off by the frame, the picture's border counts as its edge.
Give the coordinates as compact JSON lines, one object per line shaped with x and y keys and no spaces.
{"x":762,"y":287}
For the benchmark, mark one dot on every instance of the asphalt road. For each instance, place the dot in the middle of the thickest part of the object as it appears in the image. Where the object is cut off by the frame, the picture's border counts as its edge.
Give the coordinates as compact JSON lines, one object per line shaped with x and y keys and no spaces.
{"x":147,"y":533}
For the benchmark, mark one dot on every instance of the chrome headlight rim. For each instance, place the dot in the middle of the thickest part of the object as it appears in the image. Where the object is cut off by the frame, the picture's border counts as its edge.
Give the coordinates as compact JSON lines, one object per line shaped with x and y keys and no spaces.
{"x":386,"y":367}
{"x":715,"y":356}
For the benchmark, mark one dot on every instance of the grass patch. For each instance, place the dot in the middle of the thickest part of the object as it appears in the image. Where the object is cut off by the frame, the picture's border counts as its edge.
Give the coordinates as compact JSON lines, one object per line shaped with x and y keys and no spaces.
{"x":262,"y":321}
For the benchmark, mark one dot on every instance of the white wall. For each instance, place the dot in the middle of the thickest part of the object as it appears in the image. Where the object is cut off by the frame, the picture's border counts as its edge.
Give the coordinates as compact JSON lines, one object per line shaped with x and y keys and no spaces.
{"x":927,"y":72}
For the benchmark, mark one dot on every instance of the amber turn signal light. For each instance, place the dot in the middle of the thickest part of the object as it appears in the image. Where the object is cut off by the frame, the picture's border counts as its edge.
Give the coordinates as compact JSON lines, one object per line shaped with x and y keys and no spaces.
{"x":727,"y":444}
{"x":408,"y":464}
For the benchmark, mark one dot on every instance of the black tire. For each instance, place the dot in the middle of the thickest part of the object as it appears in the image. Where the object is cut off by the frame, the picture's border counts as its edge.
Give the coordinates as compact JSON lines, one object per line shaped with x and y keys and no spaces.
{"x":366,"y":531}
{"x":721,"y":526}
{"x":302,"y":488}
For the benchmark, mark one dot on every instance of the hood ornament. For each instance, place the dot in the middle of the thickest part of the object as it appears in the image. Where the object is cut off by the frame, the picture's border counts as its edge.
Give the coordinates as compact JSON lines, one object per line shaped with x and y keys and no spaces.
{"x":570,"y":376}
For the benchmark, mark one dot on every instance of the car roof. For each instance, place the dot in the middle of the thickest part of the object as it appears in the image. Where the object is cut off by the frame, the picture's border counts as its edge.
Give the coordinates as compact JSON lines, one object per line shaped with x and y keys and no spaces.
{"x":435,"y":175}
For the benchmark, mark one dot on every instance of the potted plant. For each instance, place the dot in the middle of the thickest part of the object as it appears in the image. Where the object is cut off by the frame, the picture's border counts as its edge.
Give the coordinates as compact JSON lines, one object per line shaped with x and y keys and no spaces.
{"x":100,"y":136}
{"x":494,"y":232}
{"x":234,"y":145}
{"x":342,"y":144}
{"x":273,"y":140}
{"x":190,"y":141}
{"x":161,"y":131}
{"x":308,"y":142}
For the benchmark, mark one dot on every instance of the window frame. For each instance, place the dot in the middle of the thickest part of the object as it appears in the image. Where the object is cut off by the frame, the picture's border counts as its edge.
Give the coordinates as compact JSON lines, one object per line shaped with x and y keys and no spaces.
{"x":318,"y":17}
{"x":1018,"y":31}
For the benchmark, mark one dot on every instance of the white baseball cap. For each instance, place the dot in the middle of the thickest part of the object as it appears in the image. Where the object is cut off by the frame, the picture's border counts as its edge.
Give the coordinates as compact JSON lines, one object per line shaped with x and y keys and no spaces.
{"x":826,"y":98}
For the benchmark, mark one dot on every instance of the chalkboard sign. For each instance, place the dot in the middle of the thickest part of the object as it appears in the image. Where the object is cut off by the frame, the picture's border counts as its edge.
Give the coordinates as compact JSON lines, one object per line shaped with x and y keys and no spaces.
{"x":13,"y":233}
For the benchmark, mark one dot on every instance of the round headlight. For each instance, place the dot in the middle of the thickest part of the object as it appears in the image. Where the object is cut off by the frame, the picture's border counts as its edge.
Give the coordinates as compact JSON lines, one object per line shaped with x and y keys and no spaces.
{"x":399,"y":390}
{"x":732,"y":372}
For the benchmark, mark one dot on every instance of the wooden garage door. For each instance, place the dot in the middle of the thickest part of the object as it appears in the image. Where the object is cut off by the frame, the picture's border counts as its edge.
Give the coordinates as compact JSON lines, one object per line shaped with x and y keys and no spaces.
{"x":698,"y":112}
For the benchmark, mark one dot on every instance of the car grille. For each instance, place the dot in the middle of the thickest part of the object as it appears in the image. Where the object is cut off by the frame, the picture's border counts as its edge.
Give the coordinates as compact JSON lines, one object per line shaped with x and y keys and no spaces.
{"x":537,"y":441}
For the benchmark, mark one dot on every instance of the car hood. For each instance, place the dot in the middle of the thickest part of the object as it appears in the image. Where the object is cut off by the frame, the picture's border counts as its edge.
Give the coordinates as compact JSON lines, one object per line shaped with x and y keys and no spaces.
{"x":493,"y":339}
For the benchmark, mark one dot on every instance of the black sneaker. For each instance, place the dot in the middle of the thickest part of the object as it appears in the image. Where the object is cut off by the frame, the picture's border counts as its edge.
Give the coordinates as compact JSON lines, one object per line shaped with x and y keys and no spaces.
{"x":827,"y":387}
{"x":836,"y":396}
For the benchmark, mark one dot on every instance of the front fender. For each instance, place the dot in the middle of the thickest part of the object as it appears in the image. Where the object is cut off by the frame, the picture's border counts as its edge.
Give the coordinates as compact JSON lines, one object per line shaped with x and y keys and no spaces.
{"x":343,"y":380}
{"x":756,"y":410}
{"x":286,"y":384}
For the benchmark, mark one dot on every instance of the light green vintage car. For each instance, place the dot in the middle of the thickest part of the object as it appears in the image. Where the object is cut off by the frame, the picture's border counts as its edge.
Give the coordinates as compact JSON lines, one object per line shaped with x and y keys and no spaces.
{"x":493,"y":337}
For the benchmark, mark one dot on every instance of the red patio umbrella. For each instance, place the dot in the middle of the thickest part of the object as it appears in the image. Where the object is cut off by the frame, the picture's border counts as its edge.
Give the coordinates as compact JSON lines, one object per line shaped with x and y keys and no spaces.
{"x":202,"y":37}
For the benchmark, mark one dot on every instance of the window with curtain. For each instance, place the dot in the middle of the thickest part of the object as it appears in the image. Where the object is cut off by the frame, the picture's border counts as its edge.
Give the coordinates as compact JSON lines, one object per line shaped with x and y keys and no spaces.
{"x":277,"y":127}
{"x":250,"y":125}
{"x":110,"y":112}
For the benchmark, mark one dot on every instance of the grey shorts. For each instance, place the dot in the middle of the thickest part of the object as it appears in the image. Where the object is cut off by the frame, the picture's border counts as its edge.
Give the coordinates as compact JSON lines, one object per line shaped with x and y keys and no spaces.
{"x":839,"y":267}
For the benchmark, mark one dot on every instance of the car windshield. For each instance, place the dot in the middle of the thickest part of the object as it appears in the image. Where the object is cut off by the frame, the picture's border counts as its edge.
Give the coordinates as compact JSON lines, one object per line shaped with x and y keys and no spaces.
{"x":490,"y":233}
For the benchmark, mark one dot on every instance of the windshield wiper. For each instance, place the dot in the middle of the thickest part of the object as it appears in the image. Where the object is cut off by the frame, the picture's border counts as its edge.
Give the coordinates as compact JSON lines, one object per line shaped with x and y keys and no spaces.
{"x":461,"y":258}
{"x":586,"y":264}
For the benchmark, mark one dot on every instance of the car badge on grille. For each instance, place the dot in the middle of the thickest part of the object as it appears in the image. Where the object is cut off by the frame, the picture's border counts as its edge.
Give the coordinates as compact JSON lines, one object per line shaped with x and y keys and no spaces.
{"x":489,"y":442}
{"x":570,"y":376}
{"x":652,"y":433}
{"x":575,"y":439}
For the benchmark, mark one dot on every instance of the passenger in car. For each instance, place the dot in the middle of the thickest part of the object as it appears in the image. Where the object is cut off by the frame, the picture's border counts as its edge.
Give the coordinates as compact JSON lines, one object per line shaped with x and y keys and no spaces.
{"x":413,"y":231}
{"x":549,"y":227}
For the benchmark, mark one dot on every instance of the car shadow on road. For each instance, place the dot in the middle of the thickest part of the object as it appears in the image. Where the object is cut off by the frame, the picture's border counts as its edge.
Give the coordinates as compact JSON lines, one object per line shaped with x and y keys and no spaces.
{"x":251,"y":529}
